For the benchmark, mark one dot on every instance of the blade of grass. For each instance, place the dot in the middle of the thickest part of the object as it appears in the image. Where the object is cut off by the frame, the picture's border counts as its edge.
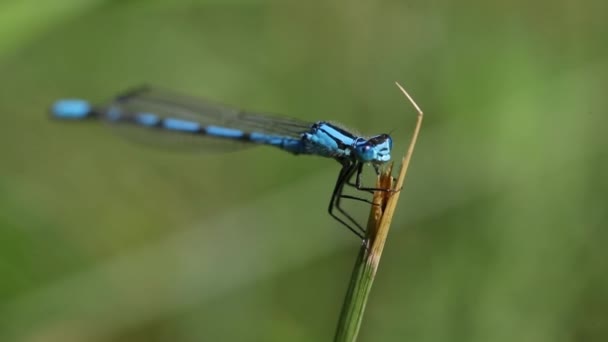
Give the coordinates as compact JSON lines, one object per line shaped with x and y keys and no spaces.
{"x":378,"y":225}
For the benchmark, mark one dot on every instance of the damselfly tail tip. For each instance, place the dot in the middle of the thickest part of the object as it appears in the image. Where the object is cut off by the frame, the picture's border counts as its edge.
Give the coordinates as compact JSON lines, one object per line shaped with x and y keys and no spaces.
{"x":71,"y":109}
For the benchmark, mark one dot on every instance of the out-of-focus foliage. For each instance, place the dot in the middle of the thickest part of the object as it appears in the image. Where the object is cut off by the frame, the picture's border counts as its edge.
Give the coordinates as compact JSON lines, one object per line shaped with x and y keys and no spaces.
{"x":501,"y":234}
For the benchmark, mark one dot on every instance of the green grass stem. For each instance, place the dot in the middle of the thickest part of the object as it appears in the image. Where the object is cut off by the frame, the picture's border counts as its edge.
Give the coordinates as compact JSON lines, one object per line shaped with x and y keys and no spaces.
{"x":378,"y":226}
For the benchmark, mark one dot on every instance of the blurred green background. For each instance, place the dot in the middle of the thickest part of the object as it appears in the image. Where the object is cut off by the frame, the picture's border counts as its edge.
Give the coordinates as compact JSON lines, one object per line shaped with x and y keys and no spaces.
{"x":501,"y":232}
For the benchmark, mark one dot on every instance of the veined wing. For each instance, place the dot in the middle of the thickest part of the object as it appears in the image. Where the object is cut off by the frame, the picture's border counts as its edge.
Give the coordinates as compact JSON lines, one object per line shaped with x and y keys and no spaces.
{"x":165,"y":104}
{"x":144,"y":114}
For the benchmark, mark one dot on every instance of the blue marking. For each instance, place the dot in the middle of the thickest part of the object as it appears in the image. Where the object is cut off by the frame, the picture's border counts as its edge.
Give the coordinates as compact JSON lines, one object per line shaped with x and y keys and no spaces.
{"x":224,"y":132}
{"x":147,"y":119}
{"x":288,"y":144}
{"x":333,"y":132}
{"x":383,"y":151}
{"x":181,"y":125}
{"x":71,"y":109}
{"x":320,"y":143}
{"x":328,"y":141}
{"x":293,"y":145}
{"x":261,"y":138}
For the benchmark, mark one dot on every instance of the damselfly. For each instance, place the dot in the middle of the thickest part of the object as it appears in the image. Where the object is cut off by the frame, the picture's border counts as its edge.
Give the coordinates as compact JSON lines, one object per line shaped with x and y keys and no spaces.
{"x":147,"y":109}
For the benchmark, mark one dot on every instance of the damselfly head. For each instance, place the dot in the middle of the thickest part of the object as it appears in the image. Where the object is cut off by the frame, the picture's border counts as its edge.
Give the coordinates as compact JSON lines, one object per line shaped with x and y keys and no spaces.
{"x":376,"y":149}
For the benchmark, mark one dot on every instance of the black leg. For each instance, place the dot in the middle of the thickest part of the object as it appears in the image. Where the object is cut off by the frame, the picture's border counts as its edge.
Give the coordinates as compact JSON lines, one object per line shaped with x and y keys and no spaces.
{"x":347,"y":215}
{"x":345,"y":173}
{"x":349,"y":170}
{"x":358,"y":184}
{"x":358,"y":199}
{"x":354,"y":185}
{"x":339,"y":198}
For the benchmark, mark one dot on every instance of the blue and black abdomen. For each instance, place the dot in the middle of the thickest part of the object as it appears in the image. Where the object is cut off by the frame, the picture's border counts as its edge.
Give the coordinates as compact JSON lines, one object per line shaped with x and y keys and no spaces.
{"x":165,"y":118}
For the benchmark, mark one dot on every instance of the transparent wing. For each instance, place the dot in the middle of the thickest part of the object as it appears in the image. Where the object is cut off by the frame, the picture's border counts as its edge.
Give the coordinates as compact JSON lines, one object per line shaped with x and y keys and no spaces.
{"x":122,"y":113}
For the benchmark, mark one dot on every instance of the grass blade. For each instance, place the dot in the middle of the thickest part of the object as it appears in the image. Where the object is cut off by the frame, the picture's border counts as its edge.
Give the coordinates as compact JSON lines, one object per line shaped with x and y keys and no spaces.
{"x":378,"y":226}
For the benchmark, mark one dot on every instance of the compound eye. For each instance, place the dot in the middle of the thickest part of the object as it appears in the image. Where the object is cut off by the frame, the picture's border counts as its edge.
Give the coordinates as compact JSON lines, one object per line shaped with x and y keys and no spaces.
{"x":366,"y":153}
